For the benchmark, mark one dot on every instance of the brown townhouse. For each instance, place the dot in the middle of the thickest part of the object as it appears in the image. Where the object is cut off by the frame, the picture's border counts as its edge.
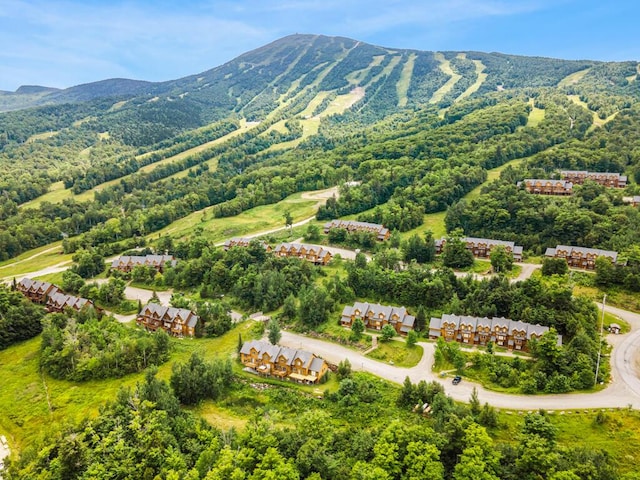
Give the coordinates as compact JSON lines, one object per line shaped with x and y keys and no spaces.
{"x":376,"y":316}
{"x":547,"y":186}
{"x":244,"y":242}
{"x":481,"y":247}
{"x":179,"y":322}
{"x":313,"y":253}
{"x":126,"y":263}
{"x":382,"y":233}
{"x":608,"y":179}
{"x":282,"y":362}
{"x":36,"y":290}
{"x":580,"y":257}
{"x":512,"y":334}
{"x":59,"y":302}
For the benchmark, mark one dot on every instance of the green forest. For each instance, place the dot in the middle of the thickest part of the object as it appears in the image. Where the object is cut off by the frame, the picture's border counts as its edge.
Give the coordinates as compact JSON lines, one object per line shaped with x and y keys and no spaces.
{"x":274,"y":144}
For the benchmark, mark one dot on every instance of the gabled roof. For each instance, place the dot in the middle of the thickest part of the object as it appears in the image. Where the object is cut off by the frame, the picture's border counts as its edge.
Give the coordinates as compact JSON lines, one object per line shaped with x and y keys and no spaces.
{"x":316,"y":364}
{"x":550,"y":252}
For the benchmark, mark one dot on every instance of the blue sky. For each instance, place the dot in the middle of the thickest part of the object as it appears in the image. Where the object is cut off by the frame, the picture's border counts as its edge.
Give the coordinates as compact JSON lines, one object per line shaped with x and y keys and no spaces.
{"x":61,"y":43}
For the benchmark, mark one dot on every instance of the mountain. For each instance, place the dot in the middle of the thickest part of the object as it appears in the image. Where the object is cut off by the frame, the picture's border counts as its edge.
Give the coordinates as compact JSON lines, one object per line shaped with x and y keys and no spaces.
{"x":296,"y":69}
{"x":258,"y":77}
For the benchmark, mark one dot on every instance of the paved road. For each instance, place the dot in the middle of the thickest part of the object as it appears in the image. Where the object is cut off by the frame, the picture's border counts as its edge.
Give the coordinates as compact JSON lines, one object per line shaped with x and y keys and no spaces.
{"x":623,"y":391}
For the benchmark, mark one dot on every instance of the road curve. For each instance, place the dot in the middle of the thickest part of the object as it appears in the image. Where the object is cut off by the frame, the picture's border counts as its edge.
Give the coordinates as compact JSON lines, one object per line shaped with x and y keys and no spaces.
{"x":623,"y":391}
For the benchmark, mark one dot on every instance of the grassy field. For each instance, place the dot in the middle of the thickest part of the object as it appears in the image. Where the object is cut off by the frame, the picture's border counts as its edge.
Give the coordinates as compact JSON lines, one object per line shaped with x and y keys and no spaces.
{"x":597,"y":121}
{"x":536,"y":115}
{"x":57,"y":193}
{"x":619,"y":435}
{"x":254,"y":220}
{"x":479,"y":81}
{"x":615,"y":297}
{"x":397,"y":353}
{"x":46,"y":256}
{"x":445,"y":66}
{"x":29,"y":400}
{"x":574,"y":78}
{"x":405,"y":80}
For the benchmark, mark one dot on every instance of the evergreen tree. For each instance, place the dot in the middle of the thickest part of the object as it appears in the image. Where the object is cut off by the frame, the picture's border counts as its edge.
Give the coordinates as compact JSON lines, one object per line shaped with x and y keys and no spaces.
{"x":273,"y":331}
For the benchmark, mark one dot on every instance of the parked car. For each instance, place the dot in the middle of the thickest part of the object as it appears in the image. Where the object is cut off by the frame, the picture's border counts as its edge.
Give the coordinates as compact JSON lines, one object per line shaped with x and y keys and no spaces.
{"x":457,"y":379}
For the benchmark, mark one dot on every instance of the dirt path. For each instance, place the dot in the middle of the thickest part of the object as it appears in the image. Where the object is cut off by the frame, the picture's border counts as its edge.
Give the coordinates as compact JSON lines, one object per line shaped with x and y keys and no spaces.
{"x":35,"y":255}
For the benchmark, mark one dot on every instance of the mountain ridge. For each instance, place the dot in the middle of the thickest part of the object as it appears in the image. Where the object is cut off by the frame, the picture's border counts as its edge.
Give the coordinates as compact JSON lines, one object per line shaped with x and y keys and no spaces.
{"x":124,"y":87}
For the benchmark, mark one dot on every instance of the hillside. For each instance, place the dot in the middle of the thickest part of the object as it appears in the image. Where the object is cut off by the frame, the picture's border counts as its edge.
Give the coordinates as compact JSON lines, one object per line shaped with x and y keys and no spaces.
{"x":132,"y":142}
{"x":272,"y":144}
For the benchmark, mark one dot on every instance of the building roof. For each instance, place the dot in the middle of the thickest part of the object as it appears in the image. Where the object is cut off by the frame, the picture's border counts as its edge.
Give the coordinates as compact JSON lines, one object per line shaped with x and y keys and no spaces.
{"x":530,"y":329}
{"x":172,"y":312}
{"x":148,"y":260}
{"x":551,"y":252}
{"x":309,"y":360}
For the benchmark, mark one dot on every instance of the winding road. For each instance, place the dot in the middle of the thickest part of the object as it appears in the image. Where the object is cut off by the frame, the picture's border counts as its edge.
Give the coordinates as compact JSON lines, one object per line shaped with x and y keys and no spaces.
{"x":623,"y":391}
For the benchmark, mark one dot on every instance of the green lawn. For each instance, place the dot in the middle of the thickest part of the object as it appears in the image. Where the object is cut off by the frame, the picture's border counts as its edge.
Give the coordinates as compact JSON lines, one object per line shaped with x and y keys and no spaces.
{"x":57,"y":193}
{"x":619,"y":435}
{"x":397,"y":353}
{"x":42,"y":257}
{"x":254,"y":220}
{"x":29,"y":400}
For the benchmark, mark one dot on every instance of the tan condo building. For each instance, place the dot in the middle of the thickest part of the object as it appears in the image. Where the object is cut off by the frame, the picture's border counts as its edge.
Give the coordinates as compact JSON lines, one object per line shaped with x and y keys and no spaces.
{"x":580,"y":257}
{"x":382,"y":233}
{"x":481,"y":247}
{"x":266,"y":359}
{"x":511,"y":334}
{"x":312,"y":253}
{"x":541,"y":186}
{"x":376,"y":316}
{"x":179,"y":322}
{"x":126,"y":263}
{"x":614,"y":180}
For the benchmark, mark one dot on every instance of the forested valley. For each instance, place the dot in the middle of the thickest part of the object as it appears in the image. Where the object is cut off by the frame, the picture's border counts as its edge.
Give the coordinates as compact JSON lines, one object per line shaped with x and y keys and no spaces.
{"x":129,"y":168}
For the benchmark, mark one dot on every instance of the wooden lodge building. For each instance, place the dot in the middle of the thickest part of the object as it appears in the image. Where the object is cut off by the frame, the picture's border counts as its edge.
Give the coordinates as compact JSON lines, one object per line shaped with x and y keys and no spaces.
{"x":541,"y":186}
{"x":577,"y":177}
{"x":283,"y":362}
{"x":35,"y":290}
{"x":580,"y":257}
{"x":511,"y":334}
{"x":376,"y":316}
{"x":179,"y":322}
{"x":51,"y":296}
{"x":382,"y":233}
{"x":59,"y":302}
{"x":481,"y":247}
{"x":633,"y":201}
{"x":126,"y":263}
{"x":244,"y":242}
{"x":312,"y":253}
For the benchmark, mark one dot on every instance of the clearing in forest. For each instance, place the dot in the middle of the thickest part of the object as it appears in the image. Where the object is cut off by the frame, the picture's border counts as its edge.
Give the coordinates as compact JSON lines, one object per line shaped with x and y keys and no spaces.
{"x":57,"y":193}
{"x":261,"y":219}
{"x":445,"y":66}
{"x":574,"y":78}
{"x":536,"y":115}
{"x":597,"y":121}
{"x":479,"y":81}
{"x":405,"y":80}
